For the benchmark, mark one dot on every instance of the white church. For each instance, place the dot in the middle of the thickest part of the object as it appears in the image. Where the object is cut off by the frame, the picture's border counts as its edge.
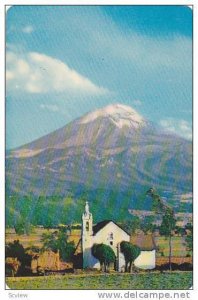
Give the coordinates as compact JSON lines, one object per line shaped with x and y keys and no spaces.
{"x":111,"y":234}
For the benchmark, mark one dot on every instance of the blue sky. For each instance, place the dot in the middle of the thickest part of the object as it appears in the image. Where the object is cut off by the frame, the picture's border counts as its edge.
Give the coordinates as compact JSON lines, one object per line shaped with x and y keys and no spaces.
{"x":63,"y":61}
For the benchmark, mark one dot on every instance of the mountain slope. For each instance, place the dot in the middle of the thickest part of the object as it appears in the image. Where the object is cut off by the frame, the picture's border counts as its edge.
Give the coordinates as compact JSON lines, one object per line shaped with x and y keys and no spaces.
{"x":113,"y":148}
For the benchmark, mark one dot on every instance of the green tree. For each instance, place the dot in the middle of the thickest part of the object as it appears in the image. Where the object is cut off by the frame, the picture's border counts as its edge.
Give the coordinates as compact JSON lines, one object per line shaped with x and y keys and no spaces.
{"x":147,"y":225}
{"x":58,"y":241}
{"x":23,"y":227}
{"x":189,"y":242}
{"x":157,"y":204}
{"x":166,"y":229}
{"x":180,"y":230}
{"x":104,"y":254}
{"x":168,"y":218}
{"x":132,"y":225}
{"x":131,"y":252}
{"x":189,"y":237}
{"x":26,"y":204}
{"x":189,"y":226}
{"x":19,"y":227}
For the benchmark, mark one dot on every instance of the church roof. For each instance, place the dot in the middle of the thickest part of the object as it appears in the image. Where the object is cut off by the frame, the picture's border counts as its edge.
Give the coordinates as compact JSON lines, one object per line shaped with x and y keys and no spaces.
{"x":144,"y":241}
{"x":102,"y":224}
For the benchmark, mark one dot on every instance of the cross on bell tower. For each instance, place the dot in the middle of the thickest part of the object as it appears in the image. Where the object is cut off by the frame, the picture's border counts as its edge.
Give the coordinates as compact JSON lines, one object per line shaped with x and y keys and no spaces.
{"x":87,"y":235}
{"x":87,"y":220}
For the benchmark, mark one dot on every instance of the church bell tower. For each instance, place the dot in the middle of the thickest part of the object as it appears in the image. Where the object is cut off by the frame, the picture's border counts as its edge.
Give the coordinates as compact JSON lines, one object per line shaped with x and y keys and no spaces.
{"x":87,"y":236}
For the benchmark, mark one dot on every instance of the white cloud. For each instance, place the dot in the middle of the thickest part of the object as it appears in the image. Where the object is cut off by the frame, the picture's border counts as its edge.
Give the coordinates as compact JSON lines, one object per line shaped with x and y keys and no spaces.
{"x":138,"y":49}
{"x":180,"y":127}
{"x":50,"y":107}
{"x":37,"y":73}
{"x":28,"y":29}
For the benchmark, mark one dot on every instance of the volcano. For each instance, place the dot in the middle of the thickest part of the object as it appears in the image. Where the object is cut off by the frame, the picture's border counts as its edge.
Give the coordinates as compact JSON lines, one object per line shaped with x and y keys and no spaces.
{"x":112,"y":148}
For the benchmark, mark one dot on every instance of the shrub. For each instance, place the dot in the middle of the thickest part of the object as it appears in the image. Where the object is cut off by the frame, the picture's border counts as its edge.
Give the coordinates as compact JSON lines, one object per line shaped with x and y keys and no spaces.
{"x":186,"y":267}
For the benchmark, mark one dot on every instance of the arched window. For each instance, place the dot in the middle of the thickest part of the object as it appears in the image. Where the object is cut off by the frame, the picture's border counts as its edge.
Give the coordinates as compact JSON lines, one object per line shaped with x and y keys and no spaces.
{"x":87,"y":226}
{"x":111,"y":236}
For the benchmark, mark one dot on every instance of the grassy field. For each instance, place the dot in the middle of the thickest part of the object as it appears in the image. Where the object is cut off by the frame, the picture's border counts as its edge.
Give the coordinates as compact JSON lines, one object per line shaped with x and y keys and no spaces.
{"x":34,"y":239}
{"x":174,"y":280}
{"x":178,"y":246}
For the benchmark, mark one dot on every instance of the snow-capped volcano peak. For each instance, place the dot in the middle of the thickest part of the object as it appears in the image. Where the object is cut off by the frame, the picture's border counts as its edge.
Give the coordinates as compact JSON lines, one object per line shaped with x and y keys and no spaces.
{"x":121,"y":115}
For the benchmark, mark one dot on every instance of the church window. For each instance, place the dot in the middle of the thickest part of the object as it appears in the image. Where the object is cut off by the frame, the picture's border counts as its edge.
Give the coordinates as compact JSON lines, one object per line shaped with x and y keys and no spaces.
{"x":111,"y":243}
{"x":87,"y":226}
{"x":111,"y":235}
